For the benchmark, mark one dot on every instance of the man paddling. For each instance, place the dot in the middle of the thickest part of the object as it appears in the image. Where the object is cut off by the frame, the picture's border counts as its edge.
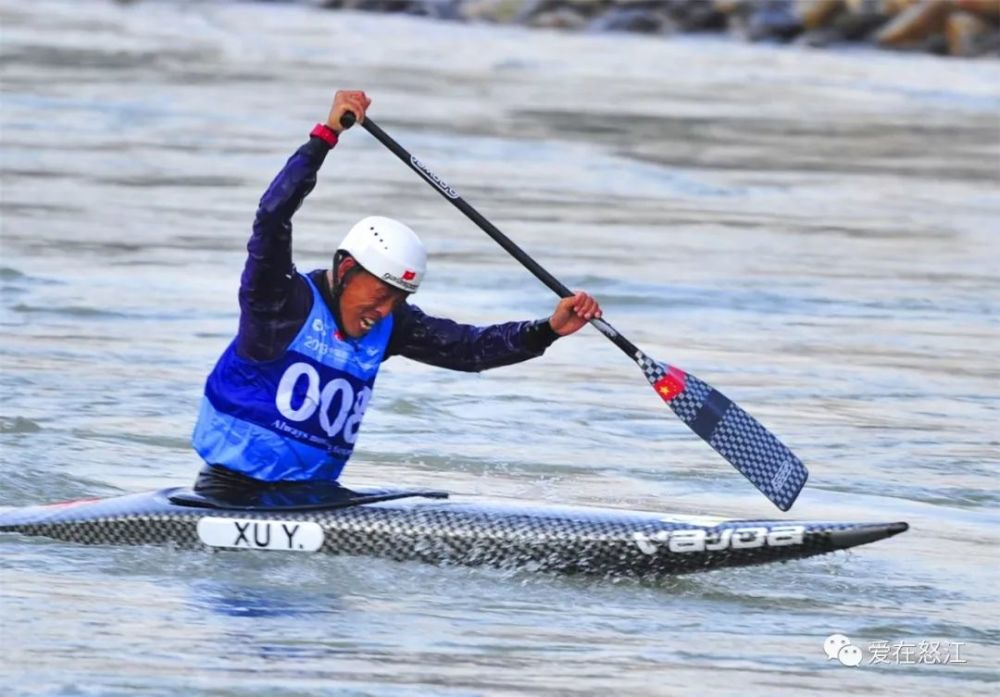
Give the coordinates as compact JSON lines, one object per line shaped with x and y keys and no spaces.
{"x":284,"y":403}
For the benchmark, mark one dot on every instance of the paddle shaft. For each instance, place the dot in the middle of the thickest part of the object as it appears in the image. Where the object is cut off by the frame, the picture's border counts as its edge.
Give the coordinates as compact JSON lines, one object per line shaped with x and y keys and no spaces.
{"x":451,"y":195}
{"x":746,"y":444}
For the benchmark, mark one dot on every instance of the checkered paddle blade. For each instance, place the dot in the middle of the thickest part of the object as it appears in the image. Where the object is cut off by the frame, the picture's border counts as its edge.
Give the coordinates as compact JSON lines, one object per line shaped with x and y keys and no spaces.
{"x":737,"y":436}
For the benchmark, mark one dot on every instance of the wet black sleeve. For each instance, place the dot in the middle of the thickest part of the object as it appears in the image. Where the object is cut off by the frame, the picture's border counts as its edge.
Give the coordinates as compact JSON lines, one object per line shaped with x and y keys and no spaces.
{"x":448,"y":344}
{"x":274,"y":299}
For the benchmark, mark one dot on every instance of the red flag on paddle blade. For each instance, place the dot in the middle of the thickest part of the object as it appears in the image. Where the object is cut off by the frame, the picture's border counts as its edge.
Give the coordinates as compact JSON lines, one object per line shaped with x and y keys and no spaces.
{"x":671,"y":384}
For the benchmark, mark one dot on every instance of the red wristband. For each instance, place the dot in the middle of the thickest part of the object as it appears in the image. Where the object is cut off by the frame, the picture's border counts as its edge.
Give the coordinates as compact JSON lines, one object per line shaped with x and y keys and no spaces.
{"x":325,"y":133}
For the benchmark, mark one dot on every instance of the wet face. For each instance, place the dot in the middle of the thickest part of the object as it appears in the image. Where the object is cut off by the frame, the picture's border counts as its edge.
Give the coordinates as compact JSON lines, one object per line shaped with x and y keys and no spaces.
{"x":365,"y":300}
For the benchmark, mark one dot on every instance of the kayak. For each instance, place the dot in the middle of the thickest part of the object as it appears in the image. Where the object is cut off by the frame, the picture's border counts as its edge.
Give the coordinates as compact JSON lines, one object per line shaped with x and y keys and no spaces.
{"x":431,"y":526}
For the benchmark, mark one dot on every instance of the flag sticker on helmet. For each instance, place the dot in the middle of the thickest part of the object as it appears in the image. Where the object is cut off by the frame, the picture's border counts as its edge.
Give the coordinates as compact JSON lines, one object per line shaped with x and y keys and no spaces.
{"x":388,"y":250}
{"x":408,"y":286}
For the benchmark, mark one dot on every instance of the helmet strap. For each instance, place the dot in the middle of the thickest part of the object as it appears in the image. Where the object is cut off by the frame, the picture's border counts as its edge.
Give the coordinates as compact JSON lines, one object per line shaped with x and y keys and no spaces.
{"x":340,"y":282}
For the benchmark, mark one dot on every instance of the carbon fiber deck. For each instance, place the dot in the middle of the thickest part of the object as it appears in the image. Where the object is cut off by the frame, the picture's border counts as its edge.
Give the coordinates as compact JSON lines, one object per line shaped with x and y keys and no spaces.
{"x":555,"y":539}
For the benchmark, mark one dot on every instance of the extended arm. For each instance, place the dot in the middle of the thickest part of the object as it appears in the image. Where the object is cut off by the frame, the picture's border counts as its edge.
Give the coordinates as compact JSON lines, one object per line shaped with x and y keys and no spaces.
{"x":448,"y":344}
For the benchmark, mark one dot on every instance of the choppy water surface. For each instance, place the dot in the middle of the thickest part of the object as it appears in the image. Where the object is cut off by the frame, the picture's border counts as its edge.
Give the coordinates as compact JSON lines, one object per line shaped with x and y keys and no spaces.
{"x":814,"y":233}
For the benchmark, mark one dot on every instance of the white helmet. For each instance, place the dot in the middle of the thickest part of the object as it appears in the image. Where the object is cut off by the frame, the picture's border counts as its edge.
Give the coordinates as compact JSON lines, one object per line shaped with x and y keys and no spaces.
{"x":388,"y":250}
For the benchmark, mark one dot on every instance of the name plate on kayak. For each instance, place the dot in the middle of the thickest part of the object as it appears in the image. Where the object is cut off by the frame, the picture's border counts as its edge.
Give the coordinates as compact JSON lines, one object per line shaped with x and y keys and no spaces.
{"x":280,"y":535}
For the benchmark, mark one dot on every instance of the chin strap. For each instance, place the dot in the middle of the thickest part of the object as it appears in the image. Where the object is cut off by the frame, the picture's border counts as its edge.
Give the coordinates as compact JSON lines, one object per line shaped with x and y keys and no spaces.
{"x":339,"y":283}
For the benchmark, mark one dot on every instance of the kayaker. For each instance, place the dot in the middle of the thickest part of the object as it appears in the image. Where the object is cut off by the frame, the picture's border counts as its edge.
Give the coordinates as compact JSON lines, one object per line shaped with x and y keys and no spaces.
{"x":284,"y":403}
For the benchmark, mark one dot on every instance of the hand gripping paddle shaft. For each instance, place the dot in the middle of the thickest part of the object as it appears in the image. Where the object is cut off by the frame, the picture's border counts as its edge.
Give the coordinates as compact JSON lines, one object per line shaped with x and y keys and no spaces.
{"x":737,"y":436}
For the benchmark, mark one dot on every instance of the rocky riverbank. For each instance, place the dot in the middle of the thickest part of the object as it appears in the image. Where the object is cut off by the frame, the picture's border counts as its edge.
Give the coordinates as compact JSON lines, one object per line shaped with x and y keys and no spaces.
{"x":965,"y":28}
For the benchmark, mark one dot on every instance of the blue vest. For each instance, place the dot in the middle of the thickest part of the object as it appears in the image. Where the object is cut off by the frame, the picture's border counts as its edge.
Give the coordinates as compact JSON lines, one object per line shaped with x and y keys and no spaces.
{"x":295,"y":417}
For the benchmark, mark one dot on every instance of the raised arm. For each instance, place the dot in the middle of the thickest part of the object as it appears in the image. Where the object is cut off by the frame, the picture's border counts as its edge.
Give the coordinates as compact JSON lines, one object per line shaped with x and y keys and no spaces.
{"x":274,"y":299}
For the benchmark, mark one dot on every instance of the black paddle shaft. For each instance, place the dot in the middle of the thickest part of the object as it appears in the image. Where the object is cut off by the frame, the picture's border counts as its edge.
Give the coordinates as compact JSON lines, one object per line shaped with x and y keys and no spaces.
{"x":449,"y":192}
{"x":753,"y":450}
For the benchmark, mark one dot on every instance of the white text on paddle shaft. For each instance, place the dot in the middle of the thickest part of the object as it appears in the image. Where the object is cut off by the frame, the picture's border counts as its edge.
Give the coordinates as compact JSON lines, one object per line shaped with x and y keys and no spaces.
{"x":681,"y":541}
{"x":433,"y":178}
{"x":350,"y":409}
{"x":282,"y":535}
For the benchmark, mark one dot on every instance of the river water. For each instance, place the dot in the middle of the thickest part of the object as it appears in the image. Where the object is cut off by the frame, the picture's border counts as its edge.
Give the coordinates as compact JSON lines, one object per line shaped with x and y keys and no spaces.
{"x":815,"y":233}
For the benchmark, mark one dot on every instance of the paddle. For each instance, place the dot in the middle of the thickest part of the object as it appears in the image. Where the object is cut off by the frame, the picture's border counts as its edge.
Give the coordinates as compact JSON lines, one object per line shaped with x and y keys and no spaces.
{"x":737,"y":436}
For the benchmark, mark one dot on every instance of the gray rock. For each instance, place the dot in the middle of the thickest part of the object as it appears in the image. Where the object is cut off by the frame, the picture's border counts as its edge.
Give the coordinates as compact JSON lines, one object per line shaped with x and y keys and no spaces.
{"x":632,"y":19}
{"x":502,"y":11}
{"x":967,"y":33}
{"x":819,"y":38}
{"x":989,"y":45}
{"x":697,"y":15}
{"x":741,"y":8}
{"x":560,"y":18}
{"x":858,"y":26}
{"x":533,"y":8}
{"x":438,"y":9}
{"x":935,"y":43}
{"x":773,"y":19}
